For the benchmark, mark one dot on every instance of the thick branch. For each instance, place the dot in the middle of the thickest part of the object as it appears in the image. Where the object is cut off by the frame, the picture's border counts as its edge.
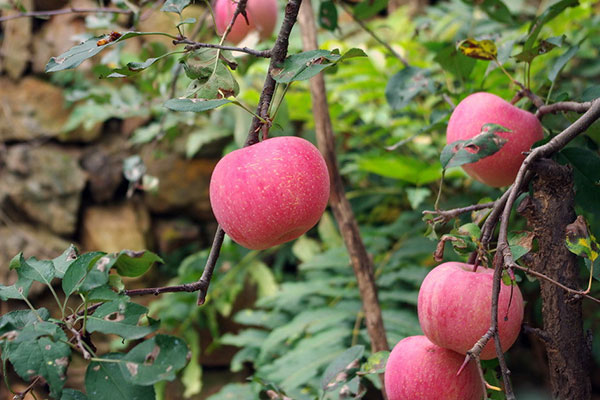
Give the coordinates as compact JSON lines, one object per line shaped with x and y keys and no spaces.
{"x":72,"y":10}
{"x":361,"y":261}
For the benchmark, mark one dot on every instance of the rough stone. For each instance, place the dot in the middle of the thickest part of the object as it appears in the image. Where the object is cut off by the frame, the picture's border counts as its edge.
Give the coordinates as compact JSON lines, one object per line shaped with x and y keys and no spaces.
{"x":172,"y":234}
{"x":115,"y":227}
{"x":35,"y":109}
{"x":105,"y":172}
{"x":16,"y":42}
{"x":183,"y":185}
{"x":44,"y":183}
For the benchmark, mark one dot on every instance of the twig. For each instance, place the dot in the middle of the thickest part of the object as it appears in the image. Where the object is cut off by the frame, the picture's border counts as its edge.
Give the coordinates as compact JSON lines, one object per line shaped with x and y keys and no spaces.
{"x":71,"y":10}
{"x":374,"y":35}
{"x":444,"y":216}
{"x":539,"y":275}
{"x":77,"y":335}
{"x":537,"y":101}
{"x":563,"y":106}
{"x":21,"y":395}
{"x":192,"y":45}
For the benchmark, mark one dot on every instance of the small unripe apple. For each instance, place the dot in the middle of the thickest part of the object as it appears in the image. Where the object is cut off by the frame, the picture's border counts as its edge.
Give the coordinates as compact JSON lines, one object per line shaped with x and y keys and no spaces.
{"x":262,"y":17}
{"x":271,"y":192}
{"x":454,"y":308}
{"x":420,"y":370}
{"x":478,"y":109}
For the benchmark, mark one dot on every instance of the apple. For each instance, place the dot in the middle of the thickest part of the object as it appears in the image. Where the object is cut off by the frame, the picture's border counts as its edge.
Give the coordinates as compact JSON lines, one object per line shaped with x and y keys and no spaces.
{"x":271,"y":192}
{"x":420,"y":370}
{"x":454,"y":307}
{"x":478,"y":109}
{"x":262,"y":17}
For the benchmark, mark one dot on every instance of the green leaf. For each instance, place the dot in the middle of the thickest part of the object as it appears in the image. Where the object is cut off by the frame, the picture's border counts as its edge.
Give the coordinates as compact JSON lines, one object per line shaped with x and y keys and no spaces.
{"x":133,"y":68}
{"x":175,"y":6}
{"x":191,"y":377}
{"x":218,"y":85}
{"x":41,"y":349}
{"x":375,"y":364}
{"x":586,"y":173}
{"x":520,"y":243}
{"x":469,"y":151}
{"x":262,"y":276}
{"x":104,"y":381}
{"x":18,"y":290}
{"x":72,"y":394}
{"x":561,"y":61}
{"x":135,"y":263}
{"x":580,"y":241}
{"x":19,"y":319}
{"x":103,"y":293}
{"x":16,"y":261}
{"x":368,"y":9}
{"x":478,"y":49}
{"x":238,"y":391}
{"x":37,"y":270}
{"x":409,"y":169}
{"x":328,"y":15}
{"x":121,"y":318}
{"x":78,"y":270}
{"x":405,"y":86}
{"x":155,"y":360}
{"x":344,"y":362}
{"x":186,"y":21}
{"x":73,"y":57}
{"x":305,"y":65}
{"x":549,"y":14}
{"x":455,"y":62}
{"x":194,"y":105}
{"x":497,"y":10}
{"x":544,"y":47}
{"x":62,"y":262}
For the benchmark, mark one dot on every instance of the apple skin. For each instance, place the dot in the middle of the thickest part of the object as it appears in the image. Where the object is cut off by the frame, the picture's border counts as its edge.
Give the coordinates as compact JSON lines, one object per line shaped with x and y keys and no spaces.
{"x":271,"y":192}
{"x":478,"y":109}
{"x":262,"y":17}
{"x":420,"y":370}
{"x":454,"y":308}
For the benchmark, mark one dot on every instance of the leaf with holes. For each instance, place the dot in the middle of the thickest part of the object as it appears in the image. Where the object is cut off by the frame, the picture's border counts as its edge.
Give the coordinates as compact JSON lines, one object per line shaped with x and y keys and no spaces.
{"x":375,"y":363}
{"x":41,"y":349}
{"x":73,"y":57}
{"x":62,"y":262}
{"x":135,"y":263}
{"x":581,"y":241}
{"x":18,"y":290}
{"x":78,"y":270}
{"x":305,"y":65}
{"x":341,"y":368}
{"x":104,"y":381}
{"x":121,"y":318}
{"x":544,"y":47}
{"x":19,"y":319}
{"x":328,"y":15}
{"x":194,"y":105}
{"x":406,"y":85}
{"x":157,"y":359}
{"x":469,"y":151}
{"x":479,"y":49}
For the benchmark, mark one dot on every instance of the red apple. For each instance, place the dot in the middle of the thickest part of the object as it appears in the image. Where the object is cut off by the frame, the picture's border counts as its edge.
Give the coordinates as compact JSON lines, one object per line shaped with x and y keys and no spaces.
{"x":455,"y":308}
{"x":478,"y":109}
{"x":262,"y":17}
{"x":420,"y":370}
{"x":270,"y":193}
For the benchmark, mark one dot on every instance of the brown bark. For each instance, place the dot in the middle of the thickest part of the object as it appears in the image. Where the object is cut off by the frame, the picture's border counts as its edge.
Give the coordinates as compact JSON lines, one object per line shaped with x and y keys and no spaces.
{"x":548,"y":213}
{"x":361,"y":261}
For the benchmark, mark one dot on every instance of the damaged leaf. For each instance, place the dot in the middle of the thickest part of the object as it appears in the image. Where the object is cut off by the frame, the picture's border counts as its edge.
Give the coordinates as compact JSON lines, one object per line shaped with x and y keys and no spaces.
{"x":121,"y":318}
{"x":469,"y":151}
{"x":106,"y":382}
{"x":581,"y":241}
{"x":479,"y":49}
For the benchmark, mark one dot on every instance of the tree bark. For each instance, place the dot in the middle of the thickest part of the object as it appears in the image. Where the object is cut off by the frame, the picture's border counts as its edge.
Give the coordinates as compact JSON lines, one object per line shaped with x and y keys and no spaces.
{"x":548,"y":211}
{"x":361,"y":261}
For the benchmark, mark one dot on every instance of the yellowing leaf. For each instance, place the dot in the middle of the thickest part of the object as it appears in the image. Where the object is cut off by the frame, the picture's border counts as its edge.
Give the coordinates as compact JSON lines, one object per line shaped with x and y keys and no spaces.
{"x":479,"y":49}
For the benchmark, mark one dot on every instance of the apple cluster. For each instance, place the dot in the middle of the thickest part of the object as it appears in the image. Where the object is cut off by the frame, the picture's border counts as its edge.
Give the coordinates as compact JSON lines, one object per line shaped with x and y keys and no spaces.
{"x":454,"y":308}
{"x":271,"y":192}
{"x":262,"y":18}
{"x":467,"y":119}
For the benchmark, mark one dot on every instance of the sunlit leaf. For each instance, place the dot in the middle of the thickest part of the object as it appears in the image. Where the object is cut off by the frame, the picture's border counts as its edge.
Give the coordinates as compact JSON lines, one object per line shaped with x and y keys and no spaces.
{"x":580,"y":241}
{"x":479,"y":49}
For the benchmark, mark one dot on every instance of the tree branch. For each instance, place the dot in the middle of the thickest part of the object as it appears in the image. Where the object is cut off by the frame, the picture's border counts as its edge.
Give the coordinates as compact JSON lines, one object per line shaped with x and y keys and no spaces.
{"x":563,"y":106}
{"x":72,"y":10}
{"x":444,"y":216}
{"x":192,"y":45}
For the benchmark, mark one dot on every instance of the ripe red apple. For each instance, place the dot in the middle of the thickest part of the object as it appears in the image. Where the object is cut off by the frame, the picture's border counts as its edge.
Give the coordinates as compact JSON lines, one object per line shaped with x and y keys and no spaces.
{"x":420,"y":370}
{"x":454,"y":308}
{"x":262,"y":17}
{"x":271,"y":192}
{"x":478,"y":109}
